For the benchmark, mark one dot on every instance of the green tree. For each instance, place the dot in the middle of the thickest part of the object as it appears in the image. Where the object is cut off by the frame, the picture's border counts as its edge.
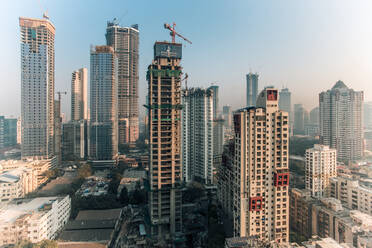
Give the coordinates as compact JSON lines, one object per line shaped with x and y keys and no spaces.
{"x":84,"y":171}
{"x":124,"y":198}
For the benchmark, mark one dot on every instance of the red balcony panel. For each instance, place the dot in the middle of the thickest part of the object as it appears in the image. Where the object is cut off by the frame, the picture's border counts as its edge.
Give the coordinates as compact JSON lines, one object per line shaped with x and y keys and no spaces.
{"x":281,"y":179}
{"x":256,"y":203}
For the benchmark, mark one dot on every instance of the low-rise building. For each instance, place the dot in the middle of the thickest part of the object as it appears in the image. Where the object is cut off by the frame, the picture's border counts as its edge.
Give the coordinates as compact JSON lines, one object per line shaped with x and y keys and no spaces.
{"x":92,"y":227}
{"x":353,"y":193}
{"x":17,"y":183}
{"x":39,"y":166}
{"x":33,"y":219}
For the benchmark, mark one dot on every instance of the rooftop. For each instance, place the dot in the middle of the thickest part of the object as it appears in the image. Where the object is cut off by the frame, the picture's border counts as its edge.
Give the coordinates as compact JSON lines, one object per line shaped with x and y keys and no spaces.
{"x":18,"y":208}
{"x":106,"y":214}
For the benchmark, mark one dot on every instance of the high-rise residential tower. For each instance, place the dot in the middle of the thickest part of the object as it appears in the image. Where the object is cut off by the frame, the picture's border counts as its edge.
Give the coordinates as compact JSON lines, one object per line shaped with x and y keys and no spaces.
{"x":197,"y":135}
{"x":340,"y":120}
{"x":103,"y":103}
{"x":79,"y":95}
{"x":252,"y":89}
{"x":165,"y":168}
{"x":261,"y":200}
{"x":125,"y":41}
{"x":37,"y":87}
{"x":321,"y":165}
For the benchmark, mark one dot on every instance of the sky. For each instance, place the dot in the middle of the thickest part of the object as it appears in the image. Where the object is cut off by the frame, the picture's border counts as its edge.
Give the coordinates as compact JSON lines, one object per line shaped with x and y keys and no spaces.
{"x":303,"y":45}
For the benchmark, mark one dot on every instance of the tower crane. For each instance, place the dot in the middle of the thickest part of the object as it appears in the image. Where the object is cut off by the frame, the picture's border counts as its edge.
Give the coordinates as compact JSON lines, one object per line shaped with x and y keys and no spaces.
{"x":59,"y":93}
{"x":185,"y":79}
{"x":173,"y":33}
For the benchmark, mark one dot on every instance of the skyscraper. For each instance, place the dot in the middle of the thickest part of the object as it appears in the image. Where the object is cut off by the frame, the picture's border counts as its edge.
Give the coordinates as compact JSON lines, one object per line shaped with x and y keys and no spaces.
{"x":227,"y":116}
{"x":214,"y":89}
{"x":79,"y":95}
{"x":314,"y":116}
{"x":197,"y":135}
{"x":165,"y":174}
{"x":341,"y":124}
{"x":37,"y":90}
{"x":321,"y":165}
{"x":125,"y":41}
{"x":367,"y":115}
{"x":2,"y":132}
{"x":299,"y":119}
{"x":103,"y":103}
{"x":261,"y":201}
{"x":252,"y":89}
{"x":10,"y":132}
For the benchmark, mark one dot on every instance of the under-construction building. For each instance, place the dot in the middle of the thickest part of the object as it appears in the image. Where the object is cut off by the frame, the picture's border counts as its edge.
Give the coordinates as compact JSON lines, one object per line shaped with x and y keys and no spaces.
{"x":165,"y":174}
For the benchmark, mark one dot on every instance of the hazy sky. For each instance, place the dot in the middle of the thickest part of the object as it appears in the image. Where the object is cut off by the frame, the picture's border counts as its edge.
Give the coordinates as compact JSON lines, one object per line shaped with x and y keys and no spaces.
{"x":304,"y":45}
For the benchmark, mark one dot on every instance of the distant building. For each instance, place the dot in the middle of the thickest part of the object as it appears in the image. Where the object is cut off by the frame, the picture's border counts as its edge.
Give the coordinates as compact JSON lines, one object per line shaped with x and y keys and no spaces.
{"x":125,"y":42}
{"x":37,"y":87}
{"x":75,"y":140}
{"x":245,"y":242}
{"x":261,"y":132}
{"x":285,"y":104}
{"x":314,"y":116}
{"x":2,"y":132}
{"x":17,"y":183}
{"x":103,"y":103}
{"x":35,"y":219}
{"x":299,"y":120}
{"x":197,"y":135}
{"x":367,"y":115}
{"x":216,"y":107}
{"x":19,"y":131}
{"x":227,"y":116}
{"x":218,"y":140}
{"x":79,"y":95}
{"x":252,"y":89}
{"x":341,"y":124}
{"x":321,"y":163}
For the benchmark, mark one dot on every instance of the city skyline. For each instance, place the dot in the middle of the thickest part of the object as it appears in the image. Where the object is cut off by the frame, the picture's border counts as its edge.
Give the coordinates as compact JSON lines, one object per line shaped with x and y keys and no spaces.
{"x":347,"y":60}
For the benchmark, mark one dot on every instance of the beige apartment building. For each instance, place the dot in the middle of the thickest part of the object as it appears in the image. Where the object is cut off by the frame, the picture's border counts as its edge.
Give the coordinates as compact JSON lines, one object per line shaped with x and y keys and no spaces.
{"x":353,"y":194}
{"x":321,"y":166}
{"x":261,"y":200}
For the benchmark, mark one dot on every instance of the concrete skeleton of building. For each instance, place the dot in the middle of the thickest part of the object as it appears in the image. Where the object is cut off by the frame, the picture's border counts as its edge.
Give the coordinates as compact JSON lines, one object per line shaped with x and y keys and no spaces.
{"x":320,"y":167}
{"x":340,"y":119}
{"x":252,"y":89}
{"x":125,"y":42}
{"x":197,"y":135}
{"x":165,"y":168}
{"x":33,"y":219}
{"x":37,"y":87}
{"x":261,"y":200}
{"x":103,"y":103}
{"x":75,"y":140}
{"x":17,"y":183}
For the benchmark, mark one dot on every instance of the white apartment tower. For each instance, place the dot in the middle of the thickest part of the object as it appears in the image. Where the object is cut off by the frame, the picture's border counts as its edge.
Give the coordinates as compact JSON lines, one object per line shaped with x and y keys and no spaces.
{"x":341,"y":125}
{"x":321,"y":166}
{"x":197,"y":135}
{"x":79,"y":95}
{"x":37,"y":87}
{"x":261,"y":200}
